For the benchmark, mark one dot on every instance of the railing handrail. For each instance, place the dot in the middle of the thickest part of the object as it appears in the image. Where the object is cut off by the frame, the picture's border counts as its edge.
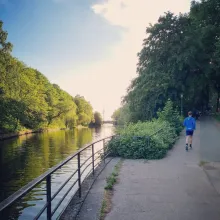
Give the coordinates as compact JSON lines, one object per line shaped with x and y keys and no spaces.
{"x":28,"y":187}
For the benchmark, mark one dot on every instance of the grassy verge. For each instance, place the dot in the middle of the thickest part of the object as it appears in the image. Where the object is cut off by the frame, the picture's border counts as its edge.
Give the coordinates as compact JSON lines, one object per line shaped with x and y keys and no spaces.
{"x":108,"y":193}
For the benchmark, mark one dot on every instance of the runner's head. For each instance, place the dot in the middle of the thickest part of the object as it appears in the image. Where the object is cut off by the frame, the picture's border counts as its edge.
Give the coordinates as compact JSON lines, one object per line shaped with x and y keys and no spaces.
{"x":190,"y":114}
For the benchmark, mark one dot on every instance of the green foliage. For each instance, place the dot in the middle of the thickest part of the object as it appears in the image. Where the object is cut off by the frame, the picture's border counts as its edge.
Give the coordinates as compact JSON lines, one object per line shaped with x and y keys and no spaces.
{"x":29,"y":100}
{"x":112,"y":179}
{"x":170,"y":114}
{"x":116,"y":114}
{"x":103,"y":209}
{"x":148,"y":140}
{"x":84,"y":111}
{"x":6,"y":47}
{"x":202,"y":163}
{"x":180,"y":55}
{"x":97,"y":119}
{"x":121,"y":116}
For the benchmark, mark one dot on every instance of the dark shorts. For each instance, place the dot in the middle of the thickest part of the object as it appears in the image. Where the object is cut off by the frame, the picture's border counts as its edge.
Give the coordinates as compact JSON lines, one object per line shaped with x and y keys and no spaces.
{"x":189,"y":132}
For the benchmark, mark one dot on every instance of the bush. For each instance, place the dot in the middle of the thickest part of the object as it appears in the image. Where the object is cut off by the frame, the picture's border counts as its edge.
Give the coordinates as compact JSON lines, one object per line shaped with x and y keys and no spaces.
{"x":170,"y":114}
{"x":148,"y":140}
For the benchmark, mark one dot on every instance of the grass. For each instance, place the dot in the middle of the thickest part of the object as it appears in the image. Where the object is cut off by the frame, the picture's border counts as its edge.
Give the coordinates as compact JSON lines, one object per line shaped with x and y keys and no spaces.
{"x":106,"y":204}
{"x":108,"y":193}
{"x":112,"y":179}
{"x":202,"y":163}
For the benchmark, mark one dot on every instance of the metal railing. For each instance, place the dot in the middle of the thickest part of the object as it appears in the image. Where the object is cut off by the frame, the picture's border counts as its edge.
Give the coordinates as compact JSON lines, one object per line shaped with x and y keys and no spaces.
{"x":103,"y":153}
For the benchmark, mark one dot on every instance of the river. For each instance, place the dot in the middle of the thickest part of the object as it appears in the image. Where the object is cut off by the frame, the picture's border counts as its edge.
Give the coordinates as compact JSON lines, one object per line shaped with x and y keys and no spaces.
{"x":26,"y":157}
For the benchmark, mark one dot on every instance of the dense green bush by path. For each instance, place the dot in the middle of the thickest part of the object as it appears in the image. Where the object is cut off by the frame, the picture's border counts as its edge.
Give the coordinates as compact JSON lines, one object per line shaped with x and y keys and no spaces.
{"x":171,"y":115}
{"x":133,"y":141}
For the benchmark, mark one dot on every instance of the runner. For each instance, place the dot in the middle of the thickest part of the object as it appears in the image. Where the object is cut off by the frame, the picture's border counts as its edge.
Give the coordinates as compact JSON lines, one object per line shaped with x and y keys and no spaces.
{"x":190,"y":125}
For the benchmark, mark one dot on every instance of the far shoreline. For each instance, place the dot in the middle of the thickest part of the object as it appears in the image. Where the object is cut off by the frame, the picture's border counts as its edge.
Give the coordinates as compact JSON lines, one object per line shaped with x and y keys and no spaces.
{"x":10,"y":135}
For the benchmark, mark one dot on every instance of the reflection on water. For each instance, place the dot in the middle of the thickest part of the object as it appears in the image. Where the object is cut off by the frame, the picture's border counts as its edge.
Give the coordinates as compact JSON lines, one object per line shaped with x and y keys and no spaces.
{"x":24,"y":158}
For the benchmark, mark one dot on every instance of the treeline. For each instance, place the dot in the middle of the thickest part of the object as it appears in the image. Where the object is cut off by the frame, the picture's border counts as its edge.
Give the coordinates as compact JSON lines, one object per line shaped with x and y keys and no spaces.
{"x":180,"y":58}
{"x":29,"y":101}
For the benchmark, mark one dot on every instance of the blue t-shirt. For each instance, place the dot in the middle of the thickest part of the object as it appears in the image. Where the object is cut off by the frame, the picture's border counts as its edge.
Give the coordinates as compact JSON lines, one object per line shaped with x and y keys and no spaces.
{"x":190,"y":123}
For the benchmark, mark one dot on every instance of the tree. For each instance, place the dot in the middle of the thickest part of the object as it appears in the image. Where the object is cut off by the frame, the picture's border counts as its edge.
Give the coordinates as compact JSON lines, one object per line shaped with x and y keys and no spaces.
{"x":180,"y":56}
{"x":84,"y":111}
{"x":121,"y":116}
{"x":164,"y":64}
{"x":60,"y":103}
{"x":206,"y":17}
{"x":116,"y":114}
{"x":97,"y":119}
{"x":70,"y":119}
{"x":29,"y":100}
{"x":6,"y":47}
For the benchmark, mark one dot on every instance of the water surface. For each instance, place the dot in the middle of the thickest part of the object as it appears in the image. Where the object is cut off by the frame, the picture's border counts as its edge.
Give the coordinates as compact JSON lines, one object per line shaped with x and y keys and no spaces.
{"x":24,"y":158}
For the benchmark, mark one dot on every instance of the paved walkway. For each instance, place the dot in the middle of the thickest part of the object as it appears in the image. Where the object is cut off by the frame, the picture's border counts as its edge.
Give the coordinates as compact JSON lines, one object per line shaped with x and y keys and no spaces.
{"x":175,"y":188}
{"x":210,"y":140}
{"x":93,"y":203}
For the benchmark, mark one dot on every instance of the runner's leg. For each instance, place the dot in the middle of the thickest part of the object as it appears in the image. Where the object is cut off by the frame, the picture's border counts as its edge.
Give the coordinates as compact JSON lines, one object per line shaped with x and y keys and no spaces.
{"x":190,"y":141}
{"x":187,"y":141}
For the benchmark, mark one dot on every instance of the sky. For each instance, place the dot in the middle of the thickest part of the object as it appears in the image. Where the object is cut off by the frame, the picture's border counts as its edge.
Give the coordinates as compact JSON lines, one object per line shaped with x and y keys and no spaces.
{"x":87,"y":47}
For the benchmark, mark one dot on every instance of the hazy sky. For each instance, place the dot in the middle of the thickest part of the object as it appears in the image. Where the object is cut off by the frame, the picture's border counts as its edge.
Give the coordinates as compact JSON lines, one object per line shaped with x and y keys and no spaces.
{"x":87,"y":47}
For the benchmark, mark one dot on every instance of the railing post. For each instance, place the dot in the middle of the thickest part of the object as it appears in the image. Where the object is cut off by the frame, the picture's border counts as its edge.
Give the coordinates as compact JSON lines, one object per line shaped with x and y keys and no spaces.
{"x":93,"y":160}
{"x":104,"y":150}
{"x":48,"y":184}
{"x":79,"y":174}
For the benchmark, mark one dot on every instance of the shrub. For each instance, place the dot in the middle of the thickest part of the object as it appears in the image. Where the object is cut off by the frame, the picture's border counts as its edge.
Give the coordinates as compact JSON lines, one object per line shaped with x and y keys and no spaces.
{"x":134,"y":141}
{"x":148,"y":140}
{"x":170,"y":114}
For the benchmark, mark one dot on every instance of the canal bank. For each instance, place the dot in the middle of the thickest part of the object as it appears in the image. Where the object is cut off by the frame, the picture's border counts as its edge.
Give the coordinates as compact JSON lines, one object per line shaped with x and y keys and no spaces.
{"x":5,"y":136}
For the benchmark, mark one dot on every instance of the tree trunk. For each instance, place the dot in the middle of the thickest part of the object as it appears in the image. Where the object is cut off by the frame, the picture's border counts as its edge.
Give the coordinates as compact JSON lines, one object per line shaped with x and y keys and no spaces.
{"x":207,"y":98}
{"x":217,"y":103}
